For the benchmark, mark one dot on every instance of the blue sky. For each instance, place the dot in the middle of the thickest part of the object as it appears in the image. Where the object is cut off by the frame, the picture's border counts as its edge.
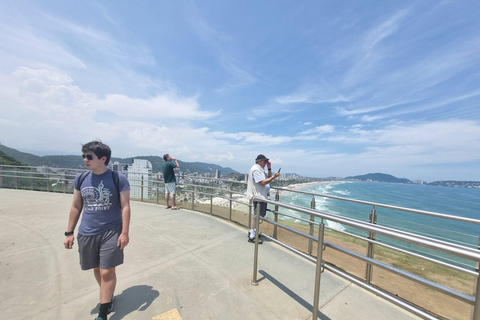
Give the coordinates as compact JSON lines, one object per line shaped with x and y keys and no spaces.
{"x":323,"y":88}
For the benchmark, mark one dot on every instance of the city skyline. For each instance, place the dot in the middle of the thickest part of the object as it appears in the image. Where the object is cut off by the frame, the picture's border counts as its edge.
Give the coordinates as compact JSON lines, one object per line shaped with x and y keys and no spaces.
{"x":323,"y":89}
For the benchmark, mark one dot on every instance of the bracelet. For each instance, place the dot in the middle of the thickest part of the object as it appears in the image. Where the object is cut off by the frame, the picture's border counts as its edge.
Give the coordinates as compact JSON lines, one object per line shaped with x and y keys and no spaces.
{"x":269,"y":169}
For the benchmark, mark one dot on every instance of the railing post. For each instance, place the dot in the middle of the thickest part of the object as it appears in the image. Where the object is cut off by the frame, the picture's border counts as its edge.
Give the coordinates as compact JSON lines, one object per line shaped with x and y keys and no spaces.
{"x":318,"y":271}
{"x":48,"y":182}
{"x":371,"y":247}
{"x":231,"y":194}
{"x":257,"y":235}
{"x":64,"y":184}
{"x":158,"y":187}
{"x":211,"y":204}
{"x":141,"y":188}
{"x":312,"y":218}
{"x":475,"y":315}
{"x":16,"y":179}
{"x":250,"y":214}
{"x":1,"y":177}
{"x":31,"y":183}
{"x":275,"y":214}
{"x":193,"y":196}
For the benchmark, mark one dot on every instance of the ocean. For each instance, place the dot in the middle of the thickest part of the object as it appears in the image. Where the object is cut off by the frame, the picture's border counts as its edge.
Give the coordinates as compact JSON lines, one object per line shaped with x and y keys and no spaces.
{"x":464,"y":202}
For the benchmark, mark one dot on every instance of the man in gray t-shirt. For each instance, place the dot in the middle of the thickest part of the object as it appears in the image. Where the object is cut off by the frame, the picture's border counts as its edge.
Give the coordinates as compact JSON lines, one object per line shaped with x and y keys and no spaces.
{"x":104,"y":197}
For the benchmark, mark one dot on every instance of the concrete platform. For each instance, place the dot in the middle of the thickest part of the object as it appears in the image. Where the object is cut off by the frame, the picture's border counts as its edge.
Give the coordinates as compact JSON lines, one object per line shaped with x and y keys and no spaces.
{"x":184,"y":260}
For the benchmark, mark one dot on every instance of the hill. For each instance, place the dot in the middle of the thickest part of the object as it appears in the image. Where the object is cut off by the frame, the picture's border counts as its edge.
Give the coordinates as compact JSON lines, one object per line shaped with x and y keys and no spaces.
{"x":5,"y":159}
{"x":76,"y":162}
{"x":379,"y":177}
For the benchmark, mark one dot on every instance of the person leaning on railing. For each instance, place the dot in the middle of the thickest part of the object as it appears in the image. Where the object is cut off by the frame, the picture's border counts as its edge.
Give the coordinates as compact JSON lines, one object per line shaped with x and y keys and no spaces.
{"x":258,"y":185}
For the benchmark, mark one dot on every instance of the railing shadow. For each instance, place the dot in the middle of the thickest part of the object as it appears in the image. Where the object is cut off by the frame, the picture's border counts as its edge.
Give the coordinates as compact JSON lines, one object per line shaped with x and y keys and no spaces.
{"x":137,"y":298}
{"x":290,"y":293}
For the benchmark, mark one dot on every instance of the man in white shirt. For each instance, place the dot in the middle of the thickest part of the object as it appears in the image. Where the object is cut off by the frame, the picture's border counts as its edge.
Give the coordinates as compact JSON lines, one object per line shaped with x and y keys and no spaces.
{"x":259,"y":186}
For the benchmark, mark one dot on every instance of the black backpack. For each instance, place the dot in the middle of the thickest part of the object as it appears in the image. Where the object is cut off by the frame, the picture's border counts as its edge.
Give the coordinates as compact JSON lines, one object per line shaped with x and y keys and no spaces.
{"x":116,"y":180}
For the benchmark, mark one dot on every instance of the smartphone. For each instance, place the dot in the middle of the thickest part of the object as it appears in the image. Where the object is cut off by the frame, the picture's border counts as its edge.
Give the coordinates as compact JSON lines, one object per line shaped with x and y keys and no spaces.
{"x":279,"y":170}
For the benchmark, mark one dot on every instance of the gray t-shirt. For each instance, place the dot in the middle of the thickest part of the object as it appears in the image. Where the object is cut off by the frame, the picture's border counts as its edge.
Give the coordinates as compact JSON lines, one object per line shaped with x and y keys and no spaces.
{"x":102,"y":209}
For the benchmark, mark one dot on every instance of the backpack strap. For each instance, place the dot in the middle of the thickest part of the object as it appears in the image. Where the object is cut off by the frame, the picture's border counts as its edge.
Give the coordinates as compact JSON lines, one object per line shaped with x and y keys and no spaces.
{"x":116,"y":181}
{"x":115,"y":177}
{"x":80,"y":180}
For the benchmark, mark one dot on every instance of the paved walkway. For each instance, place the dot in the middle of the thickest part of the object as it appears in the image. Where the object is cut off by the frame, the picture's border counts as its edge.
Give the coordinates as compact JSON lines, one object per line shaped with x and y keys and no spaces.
{"x":184,"y":260}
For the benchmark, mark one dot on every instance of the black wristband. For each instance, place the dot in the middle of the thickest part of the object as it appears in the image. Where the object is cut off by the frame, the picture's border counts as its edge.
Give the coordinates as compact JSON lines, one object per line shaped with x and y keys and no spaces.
{"x":269,"y":169}
{"x":68,"y":233}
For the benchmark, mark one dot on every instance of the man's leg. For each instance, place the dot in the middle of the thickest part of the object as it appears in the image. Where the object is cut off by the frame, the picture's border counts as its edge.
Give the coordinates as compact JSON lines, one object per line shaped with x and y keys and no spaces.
{"x":108,"y":283}
{"x":172,"y":196}
{"x":166,"y":199}
{"x":98,"y":277}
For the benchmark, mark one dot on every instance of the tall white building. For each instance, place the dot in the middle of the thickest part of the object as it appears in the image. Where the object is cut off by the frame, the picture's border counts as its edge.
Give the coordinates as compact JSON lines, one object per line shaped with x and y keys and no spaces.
{"x":140,"y":173}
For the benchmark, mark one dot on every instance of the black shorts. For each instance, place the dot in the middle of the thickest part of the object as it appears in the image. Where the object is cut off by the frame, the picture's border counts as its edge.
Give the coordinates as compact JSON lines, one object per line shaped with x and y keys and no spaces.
{"x":263,"y":208}
{"x":100,"y":250}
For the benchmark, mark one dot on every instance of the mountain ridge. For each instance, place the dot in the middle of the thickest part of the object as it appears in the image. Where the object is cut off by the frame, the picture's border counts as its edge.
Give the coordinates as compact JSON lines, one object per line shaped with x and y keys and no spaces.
{"x":379,"y":177}
{"x":76,"y":162}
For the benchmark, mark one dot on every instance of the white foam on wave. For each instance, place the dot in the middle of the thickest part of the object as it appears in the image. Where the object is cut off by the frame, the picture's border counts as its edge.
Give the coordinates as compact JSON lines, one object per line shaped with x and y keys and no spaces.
{"x":342,"y":192}
{"x":335,"y":225}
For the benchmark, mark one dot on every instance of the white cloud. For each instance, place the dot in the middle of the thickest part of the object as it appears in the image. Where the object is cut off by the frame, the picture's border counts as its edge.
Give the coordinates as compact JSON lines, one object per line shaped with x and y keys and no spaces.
{"x":163,"y":106}
{"x":313,"y":93}
{"x":319,"y":130}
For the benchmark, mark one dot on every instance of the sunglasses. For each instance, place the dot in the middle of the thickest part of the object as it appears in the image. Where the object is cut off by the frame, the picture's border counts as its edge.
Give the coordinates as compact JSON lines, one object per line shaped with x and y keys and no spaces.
{"x":88,"y":156}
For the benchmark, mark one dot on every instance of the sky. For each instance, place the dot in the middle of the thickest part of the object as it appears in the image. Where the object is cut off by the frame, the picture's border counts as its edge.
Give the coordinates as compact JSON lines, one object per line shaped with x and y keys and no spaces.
{"x":322,"y":88}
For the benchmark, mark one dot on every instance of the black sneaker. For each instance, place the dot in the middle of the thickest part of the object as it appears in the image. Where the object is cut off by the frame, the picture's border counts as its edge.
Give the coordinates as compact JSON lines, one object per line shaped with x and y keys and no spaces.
{"x":260,"y":241}
{"x":110,"y":306}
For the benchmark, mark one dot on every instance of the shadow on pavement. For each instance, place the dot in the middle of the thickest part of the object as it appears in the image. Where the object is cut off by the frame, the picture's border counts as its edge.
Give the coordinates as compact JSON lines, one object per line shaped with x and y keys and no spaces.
{"x":137,"y":298}
{"x":292,"y":294}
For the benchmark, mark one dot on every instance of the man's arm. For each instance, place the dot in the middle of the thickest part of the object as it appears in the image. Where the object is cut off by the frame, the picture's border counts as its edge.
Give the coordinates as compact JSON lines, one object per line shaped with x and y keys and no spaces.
{"x":270,"y":179}
{"x":75,"y":211}
{"x":176,"y":162}
{"x":123,"y":239}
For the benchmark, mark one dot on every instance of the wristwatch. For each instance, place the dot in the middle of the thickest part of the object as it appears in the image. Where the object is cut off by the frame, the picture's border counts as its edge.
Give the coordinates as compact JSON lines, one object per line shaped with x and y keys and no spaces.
{"x":68,"y":233}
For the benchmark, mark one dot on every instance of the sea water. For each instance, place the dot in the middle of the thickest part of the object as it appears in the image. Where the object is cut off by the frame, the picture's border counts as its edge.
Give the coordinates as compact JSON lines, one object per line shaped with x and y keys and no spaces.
{"x":463,"y":202}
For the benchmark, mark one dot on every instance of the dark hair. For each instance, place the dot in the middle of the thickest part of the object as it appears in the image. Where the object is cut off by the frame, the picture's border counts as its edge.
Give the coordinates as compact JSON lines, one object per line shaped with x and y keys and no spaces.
{"x":165,"y":156}
{"x":99,"y":149}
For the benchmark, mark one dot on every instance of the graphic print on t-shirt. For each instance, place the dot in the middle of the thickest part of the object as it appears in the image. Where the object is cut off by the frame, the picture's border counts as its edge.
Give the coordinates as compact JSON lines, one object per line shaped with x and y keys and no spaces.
{"x":96,"y":199}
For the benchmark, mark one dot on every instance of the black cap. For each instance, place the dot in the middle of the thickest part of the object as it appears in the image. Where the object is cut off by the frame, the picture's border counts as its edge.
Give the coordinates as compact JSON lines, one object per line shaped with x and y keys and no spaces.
{"x":261,"y":157}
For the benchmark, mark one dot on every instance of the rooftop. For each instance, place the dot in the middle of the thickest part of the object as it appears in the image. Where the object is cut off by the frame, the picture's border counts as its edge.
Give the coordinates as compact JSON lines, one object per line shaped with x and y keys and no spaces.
{"x":184,"y":260}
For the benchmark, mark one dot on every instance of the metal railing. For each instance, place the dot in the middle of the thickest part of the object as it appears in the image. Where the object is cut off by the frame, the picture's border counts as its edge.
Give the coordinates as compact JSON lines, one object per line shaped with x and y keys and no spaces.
{"x":60,"y":180}
{"x":457,"y":250}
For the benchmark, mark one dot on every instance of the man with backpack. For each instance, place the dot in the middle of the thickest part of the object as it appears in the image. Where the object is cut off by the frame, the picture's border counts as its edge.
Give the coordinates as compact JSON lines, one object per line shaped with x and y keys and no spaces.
{"x":104,"y":197}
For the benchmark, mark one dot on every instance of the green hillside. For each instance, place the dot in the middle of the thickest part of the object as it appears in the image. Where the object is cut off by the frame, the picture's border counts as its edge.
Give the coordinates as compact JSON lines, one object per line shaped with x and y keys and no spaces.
{"x":5,"y":159}
{"x":76,"y":162}
{"x":379,"y":177}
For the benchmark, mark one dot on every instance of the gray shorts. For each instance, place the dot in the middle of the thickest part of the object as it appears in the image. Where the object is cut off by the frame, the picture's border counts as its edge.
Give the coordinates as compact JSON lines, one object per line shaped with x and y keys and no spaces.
{"x":100,"y":250}
{"x":170,"y":188}
{"x":263,"y":208}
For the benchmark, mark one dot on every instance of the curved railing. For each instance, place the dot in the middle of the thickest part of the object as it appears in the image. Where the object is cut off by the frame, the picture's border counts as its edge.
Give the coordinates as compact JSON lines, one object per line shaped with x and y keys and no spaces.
{"x":193,"y":188}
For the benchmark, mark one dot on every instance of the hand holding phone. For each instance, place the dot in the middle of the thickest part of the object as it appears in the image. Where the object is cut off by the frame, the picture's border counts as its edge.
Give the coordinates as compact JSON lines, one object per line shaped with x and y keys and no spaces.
{"x":279,"y":170}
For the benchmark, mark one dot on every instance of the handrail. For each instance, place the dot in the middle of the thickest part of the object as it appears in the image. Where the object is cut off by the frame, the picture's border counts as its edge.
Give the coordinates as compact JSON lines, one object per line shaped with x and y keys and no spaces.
{"x":431,"y":243}
{"x":376,"y":204}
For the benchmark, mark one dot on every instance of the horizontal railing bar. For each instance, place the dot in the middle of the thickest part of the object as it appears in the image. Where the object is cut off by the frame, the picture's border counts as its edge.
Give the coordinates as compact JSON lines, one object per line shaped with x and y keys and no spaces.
{"x":405,"y":274}
{"x":298,"y":218}
{"x":300,"y":233}
{"x":353,"y":279}
{"x":445,"y":264}
{"x":286,"y":246}
{"x":399,"y":302}
{"x":461,"y":252}
{"x":429,"y":213}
